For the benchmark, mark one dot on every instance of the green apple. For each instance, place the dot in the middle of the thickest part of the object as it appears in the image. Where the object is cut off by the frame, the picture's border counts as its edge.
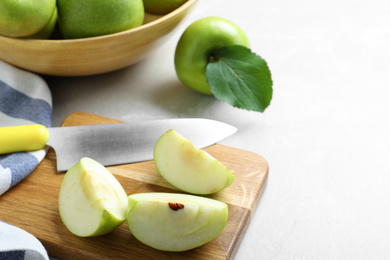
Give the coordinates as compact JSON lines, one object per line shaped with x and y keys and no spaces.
{"x":196,"y":47}
{"x":91,"y":200}
{"x":188,"y":168}
{"x":162,"y":6}
{"x":88,"y":18}
{"x":48,"y":30}
{"x":175,"y":222}
{"x":20,"y":18}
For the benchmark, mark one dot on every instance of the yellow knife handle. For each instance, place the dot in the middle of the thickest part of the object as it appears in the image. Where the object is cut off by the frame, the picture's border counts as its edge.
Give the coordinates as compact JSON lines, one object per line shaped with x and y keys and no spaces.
{"x":23,"y":138}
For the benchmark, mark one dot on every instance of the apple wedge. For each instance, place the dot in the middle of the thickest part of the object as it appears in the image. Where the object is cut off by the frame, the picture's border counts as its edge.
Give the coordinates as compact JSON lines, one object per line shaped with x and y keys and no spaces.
{"x":188,"y":168}
{"x":91,"y":200}
{"x":175,"y":222}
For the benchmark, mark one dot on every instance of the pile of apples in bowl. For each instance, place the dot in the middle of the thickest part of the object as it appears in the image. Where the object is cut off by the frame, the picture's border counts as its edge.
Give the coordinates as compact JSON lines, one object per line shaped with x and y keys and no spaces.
{"x":68,"y":38}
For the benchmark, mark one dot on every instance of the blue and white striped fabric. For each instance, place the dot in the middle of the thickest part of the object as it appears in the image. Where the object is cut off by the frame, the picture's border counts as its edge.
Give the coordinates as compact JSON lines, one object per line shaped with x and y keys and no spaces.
{"x":24,"y":99}
{"x":16,"y":244}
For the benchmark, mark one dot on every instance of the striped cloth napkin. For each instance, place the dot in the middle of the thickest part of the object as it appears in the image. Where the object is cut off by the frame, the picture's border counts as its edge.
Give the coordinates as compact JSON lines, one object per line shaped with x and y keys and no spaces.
{"x":24,"y":99}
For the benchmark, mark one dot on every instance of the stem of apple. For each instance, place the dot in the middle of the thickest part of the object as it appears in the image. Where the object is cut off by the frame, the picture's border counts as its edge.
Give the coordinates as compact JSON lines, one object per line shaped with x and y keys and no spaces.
{"x":212,"y":58}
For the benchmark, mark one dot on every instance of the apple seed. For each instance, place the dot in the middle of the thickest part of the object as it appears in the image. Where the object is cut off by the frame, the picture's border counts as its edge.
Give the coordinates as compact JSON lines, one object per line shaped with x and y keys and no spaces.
{"x":175,"y":206}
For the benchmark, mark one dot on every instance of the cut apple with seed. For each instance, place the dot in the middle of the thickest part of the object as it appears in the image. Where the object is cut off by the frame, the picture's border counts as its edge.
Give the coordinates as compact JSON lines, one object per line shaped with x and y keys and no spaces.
{"x":188,"y":168}
{"x":91,"y":200}
{"x":175,"y":222}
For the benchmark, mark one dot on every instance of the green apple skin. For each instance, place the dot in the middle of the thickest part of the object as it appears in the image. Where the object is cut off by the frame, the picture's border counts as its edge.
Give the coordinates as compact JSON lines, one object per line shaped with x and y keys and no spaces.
{"x":188,"y":168}
{"x":91,"y":200}
{"x":157,"y":224}
{"x":48,"y":30}
{"x":198,"y":43}
{"x":20,"y":18}
{"x":89,"y":18}
{"x":162,"y":7}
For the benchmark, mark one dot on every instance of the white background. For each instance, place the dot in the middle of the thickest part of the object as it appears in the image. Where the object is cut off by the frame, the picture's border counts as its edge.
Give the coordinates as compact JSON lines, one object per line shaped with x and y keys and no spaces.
{"x":326,"y":134}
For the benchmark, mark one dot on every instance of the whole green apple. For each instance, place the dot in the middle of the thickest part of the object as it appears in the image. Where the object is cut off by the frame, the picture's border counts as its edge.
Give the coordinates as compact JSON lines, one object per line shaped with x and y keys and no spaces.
{"x":88,"y":18}
{"x":46,"y":31}
{"x":162,"y":6}
{"x":196,"y":47}
{"x":21,"y":18}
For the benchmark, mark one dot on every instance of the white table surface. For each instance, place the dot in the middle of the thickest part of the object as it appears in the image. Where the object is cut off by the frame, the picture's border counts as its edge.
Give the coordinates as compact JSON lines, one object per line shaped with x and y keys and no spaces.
{"x":326,"y":134}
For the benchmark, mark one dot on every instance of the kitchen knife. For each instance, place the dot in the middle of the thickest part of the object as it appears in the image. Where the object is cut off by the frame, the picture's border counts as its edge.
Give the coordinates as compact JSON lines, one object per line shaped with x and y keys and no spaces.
{"x":110,"y":144}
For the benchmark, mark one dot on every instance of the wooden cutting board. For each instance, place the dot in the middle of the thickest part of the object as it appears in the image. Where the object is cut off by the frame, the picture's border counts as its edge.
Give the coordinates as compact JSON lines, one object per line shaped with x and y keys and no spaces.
{"x":32,"y":205}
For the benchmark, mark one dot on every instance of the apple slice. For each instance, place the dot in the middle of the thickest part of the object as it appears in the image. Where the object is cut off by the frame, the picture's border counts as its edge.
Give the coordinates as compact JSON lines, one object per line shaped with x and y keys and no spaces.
{"x":188,"y":168}
{"x":175,"y":222}
{"x":91,"y":200}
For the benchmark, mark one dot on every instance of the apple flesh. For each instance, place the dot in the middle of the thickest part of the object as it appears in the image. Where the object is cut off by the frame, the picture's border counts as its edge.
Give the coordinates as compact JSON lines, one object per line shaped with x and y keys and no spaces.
{"x":197,"y":45}
{"x":175,"y":222}
{"x":91,"y":200}
{"x":188,"y":168}
{"x":162,"y":6}
{"x":22,"y":18}
{"x":88,"y":18}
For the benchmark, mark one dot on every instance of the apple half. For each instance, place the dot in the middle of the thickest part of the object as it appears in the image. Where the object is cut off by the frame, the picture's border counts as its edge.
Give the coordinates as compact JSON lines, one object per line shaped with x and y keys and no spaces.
{"x":91,"y":200}
{"x":175,"y":222}
{"x":188,"y":168}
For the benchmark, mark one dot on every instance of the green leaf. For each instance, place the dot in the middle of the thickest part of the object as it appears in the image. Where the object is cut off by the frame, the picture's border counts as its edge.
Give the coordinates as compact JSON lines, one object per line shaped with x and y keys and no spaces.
{"x":239,"y":77}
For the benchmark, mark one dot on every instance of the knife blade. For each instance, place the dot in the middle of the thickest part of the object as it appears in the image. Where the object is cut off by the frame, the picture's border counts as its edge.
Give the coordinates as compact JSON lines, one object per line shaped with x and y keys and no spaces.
{"x":110,"y":144}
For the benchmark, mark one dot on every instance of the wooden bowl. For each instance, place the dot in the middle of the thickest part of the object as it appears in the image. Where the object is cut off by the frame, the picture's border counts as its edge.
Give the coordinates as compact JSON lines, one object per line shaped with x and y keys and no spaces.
{"x":95,"y":55}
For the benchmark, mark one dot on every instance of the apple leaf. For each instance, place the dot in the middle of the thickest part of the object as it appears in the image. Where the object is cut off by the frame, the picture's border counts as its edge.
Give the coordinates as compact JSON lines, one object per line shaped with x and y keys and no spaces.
{"x":240,"y":77}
